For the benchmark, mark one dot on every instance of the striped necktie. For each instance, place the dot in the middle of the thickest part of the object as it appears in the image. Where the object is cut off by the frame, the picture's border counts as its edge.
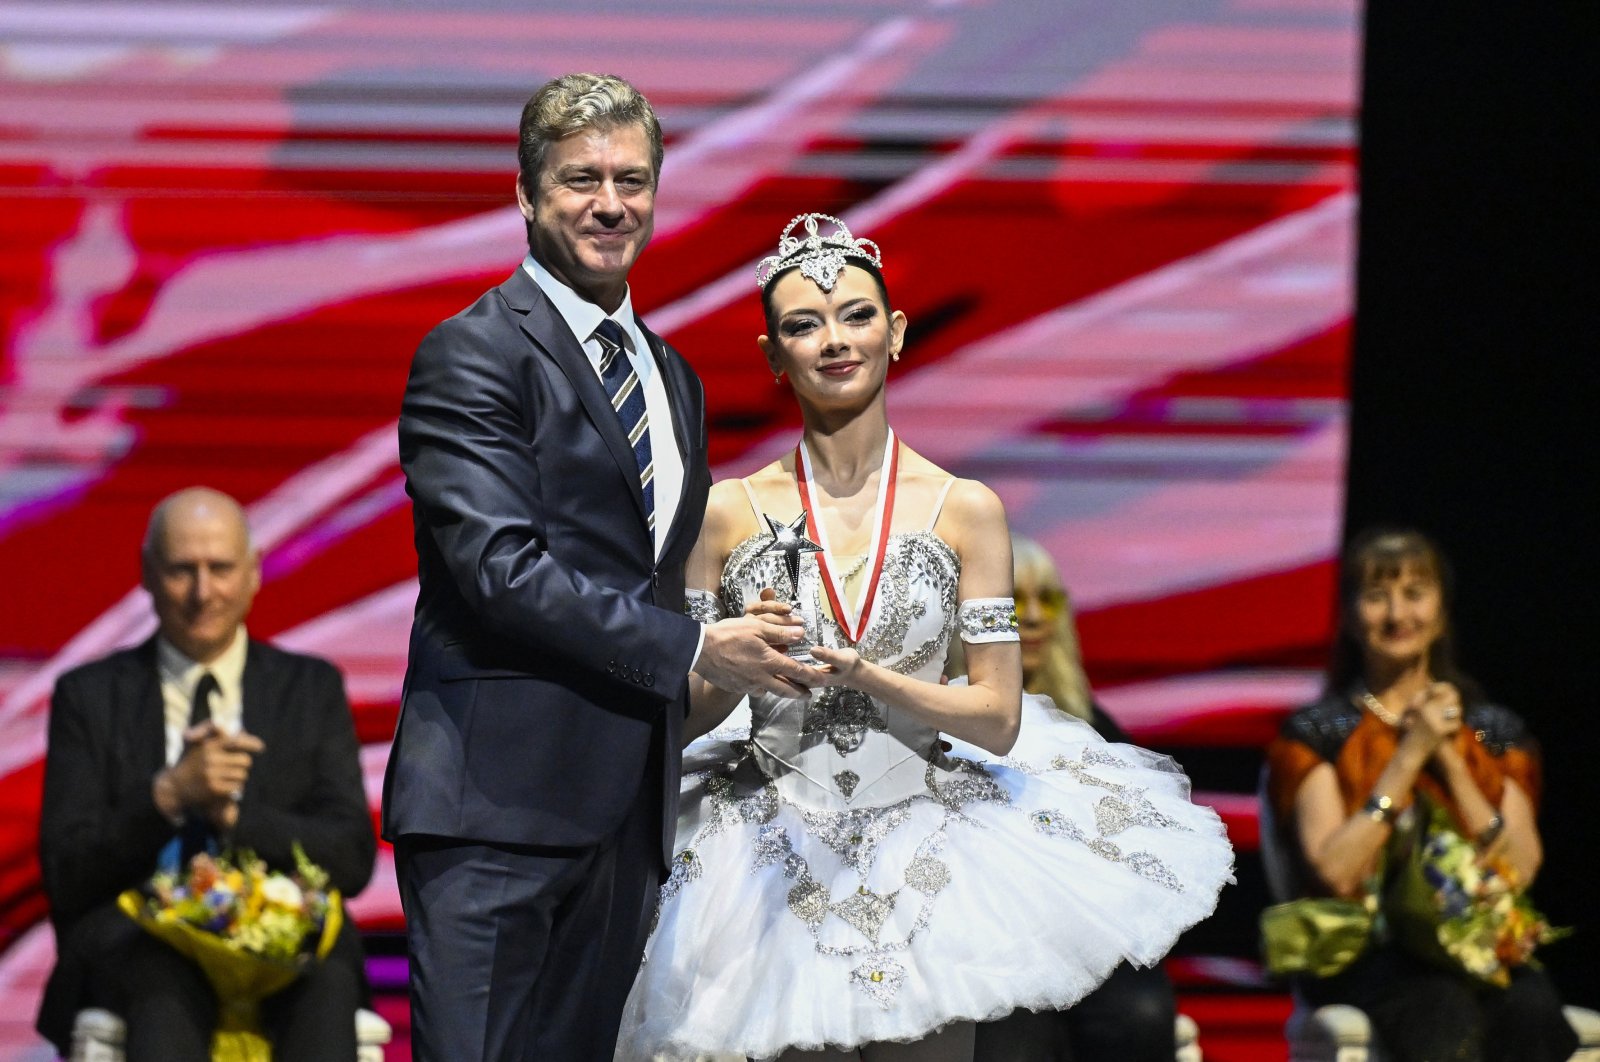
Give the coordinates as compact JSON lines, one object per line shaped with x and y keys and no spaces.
{"x":627,"y":398}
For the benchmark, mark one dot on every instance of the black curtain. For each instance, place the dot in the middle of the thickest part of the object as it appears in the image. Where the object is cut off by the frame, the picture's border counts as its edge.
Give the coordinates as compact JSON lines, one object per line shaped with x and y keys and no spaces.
{"x":1474,"y":380}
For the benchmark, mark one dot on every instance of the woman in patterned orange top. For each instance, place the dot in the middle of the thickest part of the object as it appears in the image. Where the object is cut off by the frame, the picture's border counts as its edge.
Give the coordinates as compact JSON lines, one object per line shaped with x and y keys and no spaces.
{"x":1399,"y":720}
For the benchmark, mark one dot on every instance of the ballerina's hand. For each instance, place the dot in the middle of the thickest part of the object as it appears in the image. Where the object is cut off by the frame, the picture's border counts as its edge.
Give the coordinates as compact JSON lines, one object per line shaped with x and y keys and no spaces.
{"x":841,"y":666}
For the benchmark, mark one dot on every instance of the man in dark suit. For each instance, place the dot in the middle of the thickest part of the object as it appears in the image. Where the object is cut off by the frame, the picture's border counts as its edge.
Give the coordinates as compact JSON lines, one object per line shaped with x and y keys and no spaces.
{"x":555,"y":452}
{"x":198,"y":738}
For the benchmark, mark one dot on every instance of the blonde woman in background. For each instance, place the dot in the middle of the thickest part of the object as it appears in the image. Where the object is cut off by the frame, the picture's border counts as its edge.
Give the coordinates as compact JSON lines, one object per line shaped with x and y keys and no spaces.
{"x":1130,"y":1016}
{"x":1052,"y":663}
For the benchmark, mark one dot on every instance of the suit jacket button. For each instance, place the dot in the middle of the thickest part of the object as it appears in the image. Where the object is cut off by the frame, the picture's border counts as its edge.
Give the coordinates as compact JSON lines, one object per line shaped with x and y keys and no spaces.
{"x":611,"y":667}
{"x":649,"y":680}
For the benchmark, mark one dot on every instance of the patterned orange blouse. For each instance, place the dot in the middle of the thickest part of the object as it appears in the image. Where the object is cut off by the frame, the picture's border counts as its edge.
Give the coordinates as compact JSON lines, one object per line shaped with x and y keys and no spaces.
{"x":1494,"y":742}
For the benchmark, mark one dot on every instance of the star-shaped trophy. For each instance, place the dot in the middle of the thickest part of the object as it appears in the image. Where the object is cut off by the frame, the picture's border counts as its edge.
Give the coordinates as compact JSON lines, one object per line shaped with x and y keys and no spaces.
{"x":789,"y":541}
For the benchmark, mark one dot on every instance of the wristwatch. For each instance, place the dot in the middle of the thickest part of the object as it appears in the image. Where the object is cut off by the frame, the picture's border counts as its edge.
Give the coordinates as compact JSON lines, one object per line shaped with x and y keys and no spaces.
{"x":1379,"y":808}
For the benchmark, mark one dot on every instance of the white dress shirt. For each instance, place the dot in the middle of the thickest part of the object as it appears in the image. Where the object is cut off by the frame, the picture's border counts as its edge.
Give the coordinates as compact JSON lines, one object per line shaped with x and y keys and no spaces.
{"x":179,"y":677}
{"x":583,"y":317}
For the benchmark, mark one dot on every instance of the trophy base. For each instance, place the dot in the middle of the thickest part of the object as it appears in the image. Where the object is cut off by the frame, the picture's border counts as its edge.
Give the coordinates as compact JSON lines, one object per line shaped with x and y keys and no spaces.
{"x":801,"y":654}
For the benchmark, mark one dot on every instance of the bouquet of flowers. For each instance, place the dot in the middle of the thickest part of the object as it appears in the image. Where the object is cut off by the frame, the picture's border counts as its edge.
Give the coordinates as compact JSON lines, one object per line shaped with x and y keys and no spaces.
{"x":251,"y":930}
{"x":1452,"y":905}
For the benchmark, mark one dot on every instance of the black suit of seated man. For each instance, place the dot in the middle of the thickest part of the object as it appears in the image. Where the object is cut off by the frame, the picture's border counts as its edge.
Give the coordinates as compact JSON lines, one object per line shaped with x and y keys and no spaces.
{"x":130,"y":775}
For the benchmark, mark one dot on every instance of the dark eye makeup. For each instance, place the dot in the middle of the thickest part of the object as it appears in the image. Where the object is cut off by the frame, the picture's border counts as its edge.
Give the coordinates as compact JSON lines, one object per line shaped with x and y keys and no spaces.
{"x":861,"y":313}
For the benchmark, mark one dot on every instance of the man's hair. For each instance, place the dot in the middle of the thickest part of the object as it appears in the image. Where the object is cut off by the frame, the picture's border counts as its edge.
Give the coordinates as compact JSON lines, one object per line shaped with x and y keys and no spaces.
{"x":573,"y":102}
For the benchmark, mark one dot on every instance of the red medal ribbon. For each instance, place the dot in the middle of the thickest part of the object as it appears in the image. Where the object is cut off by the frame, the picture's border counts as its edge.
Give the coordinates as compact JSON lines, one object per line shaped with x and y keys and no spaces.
{"x":818,"y":534}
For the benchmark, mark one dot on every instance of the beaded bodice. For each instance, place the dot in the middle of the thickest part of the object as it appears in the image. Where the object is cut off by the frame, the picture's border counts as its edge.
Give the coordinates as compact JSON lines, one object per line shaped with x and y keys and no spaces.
{"x":842,"y":748}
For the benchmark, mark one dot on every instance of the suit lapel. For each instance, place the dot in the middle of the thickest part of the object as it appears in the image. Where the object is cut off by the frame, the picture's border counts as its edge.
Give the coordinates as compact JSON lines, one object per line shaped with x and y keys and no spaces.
{"x":681,"y":394}
{"x":139,"y":685}
{"x":549,"y":332}
{"x":256,"y":691}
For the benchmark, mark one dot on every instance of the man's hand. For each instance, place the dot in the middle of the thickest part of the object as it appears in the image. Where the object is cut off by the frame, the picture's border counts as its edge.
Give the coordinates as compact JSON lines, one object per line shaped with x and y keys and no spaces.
{"x":768,"y":606}
{"x":209,"y":776}
{"x":745,"y":655}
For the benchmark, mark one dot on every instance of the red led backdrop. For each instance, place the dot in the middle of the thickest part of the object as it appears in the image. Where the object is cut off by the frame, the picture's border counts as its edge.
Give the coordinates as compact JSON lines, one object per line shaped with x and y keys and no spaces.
{"x":1122,"y":233}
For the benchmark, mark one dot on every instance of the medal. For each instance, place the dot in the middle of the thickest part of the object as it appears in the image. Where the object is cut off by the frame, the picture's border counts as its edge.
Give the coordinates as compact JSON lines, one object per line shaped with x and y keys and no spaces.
{"x":853,"y":625}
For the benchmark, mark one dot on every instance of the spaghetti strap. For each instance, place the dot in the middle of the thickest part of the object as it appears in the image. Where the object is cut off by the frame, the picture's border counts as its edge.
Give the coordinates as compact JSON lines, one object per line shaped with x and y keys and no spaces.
{"x":938,"y":505}
{"x":755,"y":506}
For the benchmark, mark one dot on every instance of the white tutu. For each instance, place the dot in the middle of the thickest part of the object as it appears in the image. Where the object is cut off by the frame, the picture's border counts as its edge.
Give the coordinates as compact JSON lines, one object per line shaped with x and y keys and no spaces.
{"x":1015,"y":882}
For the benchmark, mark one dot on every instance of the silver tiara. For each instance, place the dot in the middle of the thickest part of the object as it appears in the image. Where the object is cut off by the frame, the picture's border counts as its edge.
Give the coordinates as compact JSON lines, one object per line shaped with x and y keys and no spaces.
{"x":820,"y":258}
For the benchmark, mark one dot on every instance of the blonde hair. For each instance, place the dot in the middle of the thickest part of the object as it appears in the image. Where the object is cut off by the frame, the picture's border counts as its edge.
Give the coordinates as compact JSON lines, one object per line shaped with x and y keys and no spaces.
{"x":1059,"y":675}
{"x":573,"y":102}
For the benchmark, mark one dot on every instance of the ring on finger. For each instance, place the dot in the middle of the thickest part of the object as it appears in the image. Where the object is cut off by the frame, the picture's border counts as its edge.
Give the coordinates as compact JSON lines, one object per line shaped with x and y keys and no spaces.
{"x":1451,"y":713}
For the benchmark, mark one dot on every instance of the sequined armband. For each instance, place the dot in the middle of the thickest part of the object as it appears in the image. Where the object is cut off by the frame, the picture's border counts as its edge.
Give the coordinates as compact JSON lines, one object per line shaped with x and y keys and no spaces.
{"x":988,"y":619}
{"x":702,"y":606}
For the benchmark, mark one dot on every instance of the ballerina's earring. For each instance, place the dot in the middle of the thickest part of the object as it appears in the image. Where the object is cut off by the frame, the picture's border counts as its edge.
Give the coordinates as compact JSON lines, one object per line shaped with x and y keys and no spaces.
{"x":894,"y":357}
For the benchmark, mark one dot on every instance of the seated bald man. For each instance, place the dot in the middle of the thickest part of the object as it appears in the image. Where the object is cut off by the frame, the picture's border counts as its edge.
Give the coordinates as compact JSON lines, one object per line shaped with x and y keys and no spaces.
{"x":199,"y":738}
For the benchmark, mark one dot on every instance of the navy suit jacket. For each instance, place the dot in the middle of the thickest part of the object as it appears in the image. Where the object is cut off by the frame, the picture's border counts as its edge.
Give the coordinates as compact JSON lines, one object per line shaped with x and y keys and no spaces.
{"x":549,"y":653}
